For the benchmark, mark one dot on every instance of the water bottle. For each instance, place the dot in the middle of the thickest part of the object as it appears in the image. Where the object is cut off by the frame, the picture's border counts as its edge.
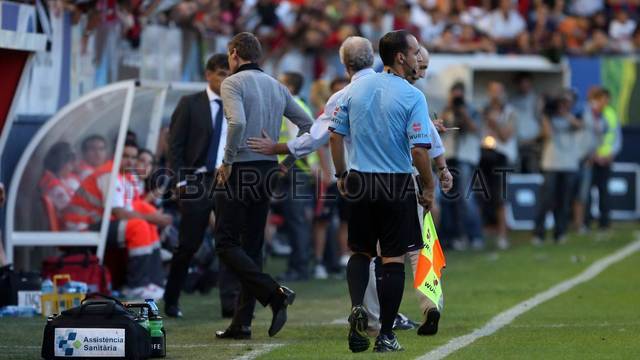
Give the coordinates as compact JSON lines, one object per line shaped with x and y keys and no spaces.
{"x":47,"y":301}
{"x":75,"y":287}
{"x":9,"y":311}
{"x":158,"y":337}
{"x":21,"y":311}
{"x":156,"y":330}
{"x":81,"y":287}
{"x":153,"y":307}
{"x":47,"y":286}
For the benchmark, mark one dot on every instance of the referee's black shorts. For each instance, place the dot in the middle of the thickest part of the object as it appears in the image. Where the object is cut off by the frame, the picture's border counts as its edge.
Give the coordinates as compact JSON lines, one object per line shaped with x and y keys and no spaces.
{"x":383,"y":209}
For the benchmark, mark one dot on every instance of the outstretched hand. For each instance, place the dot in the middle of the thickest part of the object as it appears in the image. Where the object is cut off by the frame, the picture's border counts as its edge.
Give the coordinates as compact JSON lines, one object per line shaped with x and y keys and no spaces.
{"x":439,"y":124}
{"x":426,"y":196}
{"x":263,"y":145}
{"x":446,"y":180}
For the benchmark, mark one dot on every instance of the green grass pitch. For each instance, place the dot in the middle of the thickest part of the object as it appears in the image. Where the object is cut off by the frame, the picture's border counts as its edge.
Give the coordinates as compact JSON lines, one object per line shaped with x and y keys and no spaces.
{"x":599,"y":319}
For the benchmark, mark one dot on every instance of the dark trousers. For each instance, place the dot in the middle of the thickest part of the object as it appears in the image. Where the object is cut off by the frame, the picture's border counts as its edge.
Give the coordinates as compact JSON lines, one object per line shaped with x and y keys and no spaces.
{"x":132,"y":271}
{"x":555,"y":196}
{"x":195,"y":209}
{"x":298,"y":193}
{"x":491,"y":163}
{"x":242,"y":208}
{"x":529,"y":155}
{"x":600,"y":180}
{"x":460,"y":211}
{"x":229,"y":288}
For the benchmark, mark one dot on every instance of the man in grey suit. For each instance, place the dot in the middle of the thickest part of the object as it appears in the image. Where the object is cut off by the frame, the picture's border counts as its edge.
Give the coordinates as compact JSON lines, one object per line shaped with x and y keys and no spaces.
{"x":254,"y":103}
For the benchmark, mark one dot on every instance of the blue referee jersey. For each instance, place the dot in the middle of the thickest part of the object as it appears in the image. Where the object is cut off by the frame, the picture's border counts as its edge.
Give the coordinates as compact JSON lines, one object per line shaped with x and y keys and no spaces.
{"x":385,"y":117}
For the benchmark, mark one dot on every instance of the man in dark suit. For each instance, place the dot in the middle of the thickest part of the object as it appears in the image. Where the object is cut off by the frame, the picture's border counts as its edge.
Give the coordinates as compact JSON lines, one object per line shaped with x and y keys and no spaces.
{"x":197,"y":138}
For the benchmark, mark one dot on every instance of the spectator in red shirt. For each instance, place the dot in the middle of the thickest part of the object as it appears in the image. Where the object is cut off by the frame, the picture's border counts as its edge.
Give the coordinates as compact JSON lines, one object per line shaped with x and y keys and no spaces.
{"x":59,"y":183}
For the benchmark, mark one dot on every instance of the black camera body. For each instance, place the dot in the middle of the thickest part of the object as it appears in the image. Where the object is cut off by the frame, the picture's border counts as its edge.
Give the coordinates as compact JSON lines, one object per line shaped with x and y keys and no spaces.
{"x":458,"y":103}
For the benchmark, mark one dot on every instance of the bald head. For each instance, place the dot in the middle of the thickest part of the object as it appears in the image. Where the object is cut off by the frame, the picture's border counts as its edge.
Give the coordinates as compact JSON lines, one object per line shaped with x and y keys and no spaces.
{"x":423,"y":62}
{"x":356,"y":53}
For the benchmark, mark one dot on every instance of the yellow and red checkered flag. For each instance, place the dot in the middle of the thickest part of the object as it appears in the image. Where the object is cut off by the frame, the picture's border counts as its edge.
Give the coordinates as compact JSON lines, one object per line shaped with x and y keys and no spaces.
{"x":430,"y":263}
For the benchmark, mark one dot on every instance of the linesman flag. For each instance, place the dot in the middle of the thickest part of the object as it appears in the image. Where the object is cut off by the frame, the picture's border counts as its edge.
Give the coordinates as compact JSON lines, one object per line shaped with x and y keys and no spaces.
{"x":430,"y":263}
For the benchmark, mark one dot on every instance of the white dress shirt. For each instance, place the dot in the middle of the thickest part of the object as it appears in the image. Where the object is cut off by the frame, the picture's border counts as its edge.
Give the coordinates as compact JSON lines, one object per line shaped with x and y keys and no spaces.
{"x":223,"y":134}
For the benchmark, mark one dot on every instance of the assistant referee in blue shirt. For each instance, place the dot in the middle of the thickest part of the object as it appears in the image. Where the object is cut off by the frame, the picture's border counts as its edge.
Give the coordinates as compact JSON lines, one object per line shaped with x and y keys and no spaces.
{"x":387,"y":121}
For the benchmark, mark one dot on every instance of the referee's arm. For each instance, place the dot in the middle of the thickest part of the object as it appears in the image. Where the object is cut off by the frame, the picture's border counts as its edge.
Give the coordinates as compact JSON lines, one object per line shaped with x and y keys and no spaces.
{"x":336,"y":142}
{"x":317,"y":136}
{"x":339,"y":128}
{"x":422,"y":162}
{"x":418,"y":132}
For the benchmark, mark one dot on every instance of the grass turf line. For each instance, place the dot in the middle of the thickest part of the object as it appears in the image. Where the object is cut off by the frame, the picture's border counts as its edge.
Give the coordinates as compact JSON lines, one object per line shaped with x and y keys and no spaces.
{"x":477,"y":286}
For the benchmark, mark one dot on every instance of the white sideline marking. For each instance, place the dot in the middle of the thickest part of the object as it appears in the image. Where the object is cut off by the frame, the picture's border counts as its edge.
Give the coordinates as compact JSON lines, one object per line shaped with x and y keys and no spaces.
{"x":507,"y":316}
{"x":258,"y":352}
{"x":557,"y":326}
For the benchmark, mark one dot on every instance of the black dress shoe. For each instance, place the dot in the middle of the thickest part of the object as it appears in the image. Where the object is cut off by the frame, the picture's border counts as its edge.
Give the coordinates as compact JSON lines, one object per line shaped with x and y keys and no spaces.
{"x":173,"y":311}
{"x":430,"y":324}
{"x":235,"y":333}
{"x":283,"y":298}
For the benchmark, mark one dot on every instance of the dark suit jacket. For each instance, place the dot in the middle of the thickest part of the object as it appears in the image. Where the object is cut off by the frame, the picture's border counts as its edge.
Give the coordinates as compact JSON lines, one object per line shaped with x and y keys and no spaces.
{"x":190,"y":134}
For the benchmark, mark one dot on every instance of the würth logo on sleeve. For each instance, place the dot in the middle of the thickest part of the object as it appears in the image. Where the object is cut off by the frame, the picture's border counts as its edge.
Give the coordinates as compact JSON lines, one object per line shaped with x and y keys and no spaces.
{"x":416,"y":127}
{"x":335,"y":111}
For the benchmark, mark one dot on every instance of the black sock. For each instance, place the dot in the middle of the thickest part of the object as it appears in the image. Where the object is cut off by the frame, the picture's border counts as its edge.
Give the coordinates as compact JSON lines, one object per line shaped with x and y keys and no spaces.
{"x":392,"y":289}
{"x":357,"y":277}
{"x":378,"y":276}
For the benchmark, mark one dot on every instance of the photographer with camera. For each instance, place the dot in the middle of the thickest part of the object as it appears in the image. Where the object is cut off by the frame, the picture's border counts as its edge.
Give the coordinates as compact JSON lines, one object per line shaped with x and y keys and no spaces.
{"x":463,"y":151}
{"x":528,"y":106}
{"x":499,"y":151}
{"x":560,"y":163}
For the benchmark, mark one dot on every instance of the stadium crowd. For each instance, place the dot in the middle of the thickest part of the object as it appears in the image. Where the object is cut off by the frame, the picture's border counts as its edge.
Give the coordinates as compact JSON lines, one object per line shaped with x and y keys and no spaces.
{"x":546,"y":27}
